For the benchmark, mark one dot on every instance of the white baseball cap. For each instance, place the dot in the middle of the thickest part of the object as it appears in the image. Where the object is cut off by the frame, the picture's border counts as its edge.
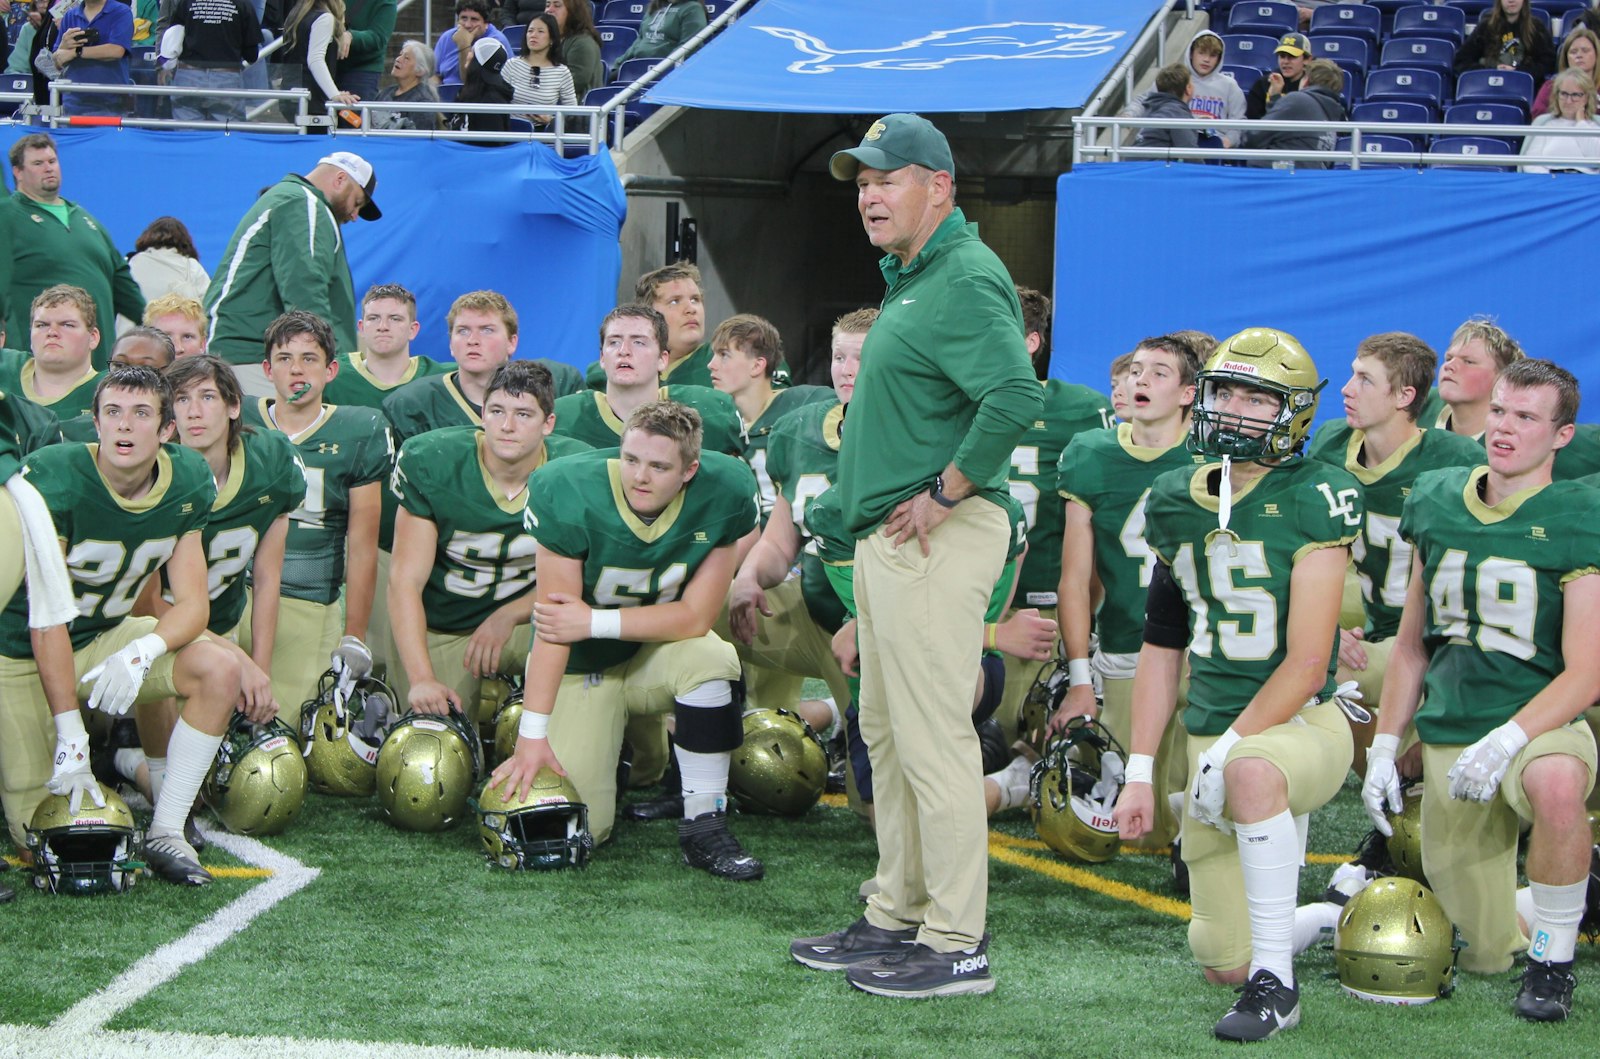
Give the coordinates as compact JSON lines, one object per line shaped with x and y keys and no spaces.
{"x":359,"y":170}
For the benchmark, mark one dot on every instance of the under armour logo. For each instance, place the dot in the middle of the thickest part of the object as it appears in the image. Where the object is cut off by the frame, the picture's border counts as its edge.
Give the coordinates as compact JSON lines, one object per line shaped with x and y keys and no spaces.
{"x":328,"y":450}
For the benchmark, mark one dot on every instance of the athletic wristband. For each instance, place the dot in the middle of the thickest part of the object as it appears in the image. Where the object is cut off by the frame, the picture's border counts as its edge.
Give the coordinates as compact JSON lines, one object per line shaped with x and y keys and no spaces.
{"x":1141,"y":768}
{"x":1078,"y":672}
{"x":604,"y":624}
{"x":534,"y":725}
{"x":1384,"y":746}
{"x":69,"y":727}
{"x":991,"y":633}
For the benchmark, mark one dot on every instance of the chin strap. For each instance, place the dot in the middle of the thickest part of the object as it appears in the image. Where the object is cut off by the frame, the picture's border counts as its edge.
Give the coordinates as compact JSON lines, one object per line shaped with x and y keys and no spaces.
{"x":1224,"y":511}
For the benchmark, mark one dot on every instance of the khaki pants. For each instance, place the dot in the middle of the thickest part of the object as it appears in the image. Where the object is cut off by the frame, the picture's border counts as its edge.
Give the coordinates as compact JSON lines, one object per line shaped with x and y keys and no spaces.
{"x":921,"y":629}
{"x":1312,"y":750}
{"x":301,"y":652}
{"x":1469,"y":849}
{"x":593,"y":709}
{"x":447,"y":652}
{"x":27,"y":731}
{"x":380,"y":637}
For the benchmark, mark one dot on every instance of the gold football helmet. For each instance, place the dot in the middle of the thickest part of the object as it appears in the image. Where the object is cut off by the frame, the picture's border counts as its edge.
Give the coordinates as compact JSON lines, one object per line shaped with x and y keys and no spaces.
{"x":90,"y":851}
{"x":547,"y":830}
{"x":1074,"y":789}
{"x":1041,"y":703}
{"x":1394,"y":944}
{"x":782,"y":766}
{"x":427,"y":770}
{"x":258,"y":783}
{"x":341,"y":731}
{"x":507,"y":724}
{"x":1405,"y":844}
{"x":1264,"y":359}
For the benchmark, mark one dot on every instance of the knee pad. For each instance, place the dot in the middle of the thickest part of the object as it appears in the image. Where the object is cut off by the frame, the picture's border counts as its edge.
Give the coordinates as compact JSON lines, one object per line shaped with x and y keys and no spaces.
{"x":711,"y":729}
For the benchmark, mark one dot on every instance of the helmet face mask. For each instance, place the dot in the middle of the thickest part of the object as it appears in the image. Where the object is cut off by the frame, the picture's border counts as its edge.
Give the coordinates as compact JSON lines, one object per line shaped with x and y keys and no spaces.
{"x":1074,"y":789}
{"x":427,"y":770}
{"x":340,"y":736}
{"x":781,"y":767}
{"x":1042,"y":701}
{"x":258,"y":783}
{"x":1273,"y":362}
{"x":546,"y":831}
{"x":87,"y":852}
{"x":1395,"y":945}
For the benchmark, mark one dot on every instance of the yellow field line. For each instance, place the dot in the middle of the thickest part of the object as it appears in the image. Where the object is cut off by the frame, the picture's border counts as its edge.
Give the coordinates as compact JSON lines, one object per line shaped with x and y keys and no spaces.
{"x":216,"y":872}
{"x":1008,"y":850}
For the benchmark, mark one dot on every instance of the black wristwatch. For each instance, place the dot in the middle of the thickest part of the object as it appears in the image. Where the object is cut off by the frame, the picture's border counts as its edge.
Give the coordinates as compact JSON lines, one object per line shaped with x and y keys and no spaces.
{"x":936,"y":492}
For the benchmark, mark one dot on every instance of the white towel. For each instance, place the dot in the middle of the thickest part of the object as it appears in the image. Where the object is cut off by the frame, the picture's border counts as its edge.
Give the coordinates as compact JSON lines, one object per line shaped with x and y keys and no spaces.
{"x":50,"y":600}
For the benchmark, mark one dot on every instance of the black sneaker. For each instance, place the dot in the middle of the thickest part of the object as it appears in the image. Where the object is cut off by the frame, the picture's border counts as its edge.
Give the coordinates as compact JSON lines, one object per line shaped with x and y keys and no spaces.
{"x":192,"y":833}
{"x":918,"y":971}
{"x":709,"y":845}
{"x":170,"y":857}
{"x":1180,"y":870}
{"x":1546,"y":993}
{"x":668,"y":808}
{"x":1264,"y":1007}
{"x":855,"y":943}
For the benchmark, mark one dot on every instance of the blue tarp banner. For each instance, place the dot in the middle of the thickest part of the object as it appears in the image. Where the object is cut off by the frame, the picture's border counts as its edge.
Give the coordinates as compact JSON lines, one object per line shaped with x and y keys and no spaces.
{"x":519,"y":219}
{"x":1329,"y":256}
{"x":932,"y":56}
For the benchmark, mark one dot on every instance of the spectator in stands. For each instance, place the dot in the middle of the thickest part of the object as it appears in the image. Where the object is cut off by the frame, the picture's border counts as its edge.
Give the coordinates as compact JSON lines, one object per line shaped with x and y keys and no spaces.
{"x":1170,"y":101}
{"x":183,"y":319}
{"x":164,"y":261}
{"x":91,"y":47}
{"x":1293,"y":50}
{"x":485,"y":82}
{"x":1578,"y":52}
{"x":537,"y":77}
{"x":666,"y":25}
{"x":1308,"y":6}
{"x":211,"y":42}
{"x":1215,"y":93}
{"x":514,"y":14}
{"x":368,"y":25}
{"x":454,"y":50}
{"x":1316,"y":100}
{"x":413,"y":83}
{"x":30,"y":38}
{"x":1508,"y":37}
{"x":314,"y":38}
{"x":580,"y":43}
{"x":1574,"y":94}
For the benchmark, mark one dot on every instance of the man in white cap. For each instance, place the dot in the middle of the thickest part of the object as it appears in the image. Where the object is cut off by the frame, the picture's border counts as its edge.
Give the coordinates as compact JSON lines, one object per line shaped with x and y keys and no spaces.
{"x":285,"y":254}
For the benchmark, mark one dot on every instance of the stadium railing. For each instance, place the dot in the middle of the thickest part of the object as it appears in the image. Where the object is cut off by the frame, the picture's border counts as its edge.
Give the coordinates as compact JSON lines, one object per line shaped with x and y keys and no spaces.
{"x":53,"y":115}
{"x":1148,"y":50}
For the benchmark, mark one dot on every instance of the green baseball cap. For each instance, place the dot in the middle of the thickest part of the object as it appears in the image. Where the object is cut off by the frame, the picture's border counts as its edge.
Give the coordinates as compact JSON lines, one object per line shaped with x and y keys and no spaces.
{"x":893,"y":142}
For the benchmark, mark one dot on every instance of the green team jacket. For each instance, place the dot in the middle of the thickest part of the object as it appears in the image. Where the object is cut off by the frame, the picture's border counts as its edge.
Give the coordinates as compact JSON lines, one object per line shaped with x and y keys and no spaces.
{"x":287,"y":253}
{"x":38,"y":251}
{"x":944,"y":376}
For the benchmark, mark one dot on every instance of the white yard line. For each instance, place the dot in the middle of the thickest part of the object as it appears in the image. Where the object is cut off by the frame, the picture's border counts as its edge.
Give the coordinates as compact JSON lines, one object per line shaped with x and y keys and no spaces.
{"x":153,"y":1044}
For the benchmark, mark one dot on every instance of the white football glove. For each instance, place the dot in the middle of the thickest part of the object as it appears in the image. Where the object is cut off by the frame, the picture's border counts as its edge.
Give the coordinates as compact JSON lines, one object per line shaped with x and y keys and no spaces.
{"x":1381,"y":787}
{"x":1207,"y":798}
{"x":73,"y":776}
{"x":117,"y":680}
{"x":1477,"y":773}
{"x":351,"y":662}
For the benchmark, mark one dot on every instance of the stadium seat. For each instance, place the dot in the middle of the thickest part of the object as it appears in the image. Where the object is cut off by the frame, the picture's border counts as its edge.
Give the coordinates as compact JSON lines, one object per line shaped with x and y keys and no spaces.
{"x":715,"y":8}
{"x":1374,"y":144}
{"x":623,"y":11}
{"x":1472,"y":9}
{"x":1352,"y":50}
{"x":1475,"y":113}
{"x":1263,"y":16}
{"x":142,"y":65}
{"x":1423,"y":20}
{"x":1248,"y":50}
{"x":1405,"y":86}
{"x":1496,"y":86}
{"x":1348,"y":20}
{"x":1422,"y":53}
{"x":1412,"y":113}
{"x":21,"y":83}
{"x":1566,"y":10}
{"x":1473,"y":145}
{"x":1244,"y":76}
{"x":1387,"y":8}
{"x":632,"y":70}
{"x":1354,"y":82}
{"x":615,"y":38}
{"x":637,"y":109}
{"x":516,"y":124}
{"x":518,"y":36}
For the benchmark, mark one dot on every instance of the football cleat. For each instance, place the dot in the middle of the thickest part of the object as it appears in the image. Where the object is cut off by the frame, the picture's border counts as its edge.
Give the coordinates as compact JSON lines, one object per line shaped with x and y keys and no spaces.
{"x":87,"y":852}
{"x":1263,"y":359}
{"x":547,"y":830}
{"x":1546,"y":992}
{"x":918,"y":971}
{"x":707,"y":844}
{"x":781,"y":768}
{"x":855,"y":943}
{"x":1074,"y":789}
{"x":1264,"y":1007}
{"x":1394,"y":944}
{"x":427,"y":770}
{"x":257,"y":785}
{"x":170,"y":857}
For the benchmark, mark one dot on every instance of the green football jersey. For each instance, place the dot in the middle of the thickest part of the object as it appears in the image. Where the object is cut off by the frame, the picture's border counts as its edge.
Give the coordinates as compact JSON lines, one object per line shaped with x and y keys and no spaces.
{"x":265,"y":480}
{"x":1579,"y":457}
{"x":431,"y":403}
{"x":1493,"y":578}
{"x":484,"y":557}
{"x":1432,"y":405}
{"x":1069,"y":410}
{"x":347,"y":448}
{"x":28,"y":426}
{"x":576,"y":509}
{"x":1238,"y":590}
{"x":1111,"y":477}
{"x":568,"y":379}
{"x":17,"y":376}
{"x":12,"y":429}
{"x":588,"y":417}
{"x":355,"y":384}
{"x":802,"y":457}
{"x":113,"y":545}
{"x":1382,"y":559}
{"x":758,"y":435}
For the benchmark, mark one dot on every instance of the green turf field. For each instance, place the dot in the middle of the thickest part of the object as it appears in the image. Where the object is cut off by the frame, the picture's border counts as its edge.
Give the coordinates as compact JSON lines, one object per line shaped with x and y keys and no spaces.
{"x":407,"y":939}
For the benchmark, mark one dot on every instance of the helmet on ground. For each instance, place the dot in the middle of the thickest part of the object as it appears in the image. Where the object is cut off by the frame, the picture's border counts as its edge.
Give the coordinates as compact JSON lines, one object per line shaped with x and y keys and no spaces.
{"x":1042,"y":700}
{"x":1074,"y":789}
{"x":492,"y":694}
{"x":781,"y":767}
{"x":507,"y":725}
{"x":1405,"y":844}
{"x":90,"y":851}
{"x":341,"y":731}
{"x":1264,"y":359}
{"x":547,"y":830}
{"x":258,"y":783}
{"x":427,"y":770}
{"x":1394,"y":944}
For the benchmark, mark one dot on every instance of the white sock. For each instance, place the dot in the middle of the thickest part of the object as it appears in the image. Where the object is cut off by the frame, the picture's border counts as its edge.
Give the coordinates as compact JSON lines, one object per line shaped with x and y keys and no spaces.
{"x":189,"y":756}
{"x":1013,"y":783}
{"x":833,"y":711}
{"x":1269,"y":854}
{"x":1525,"y":909}
{"x":705,"y":782}
{"x":1302,"y":829}
{"x":127,"y":761}
{"x":1557,"y":911}
{"x":158,"y":769}
{"x":1310,"y":921}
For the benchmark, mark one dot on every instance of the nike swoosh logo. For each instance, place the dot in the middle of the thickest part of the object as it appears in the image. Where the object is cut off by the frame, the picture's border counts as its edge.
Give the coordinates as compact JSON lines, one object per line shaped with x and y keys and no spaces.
{"x":907,"y":301}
